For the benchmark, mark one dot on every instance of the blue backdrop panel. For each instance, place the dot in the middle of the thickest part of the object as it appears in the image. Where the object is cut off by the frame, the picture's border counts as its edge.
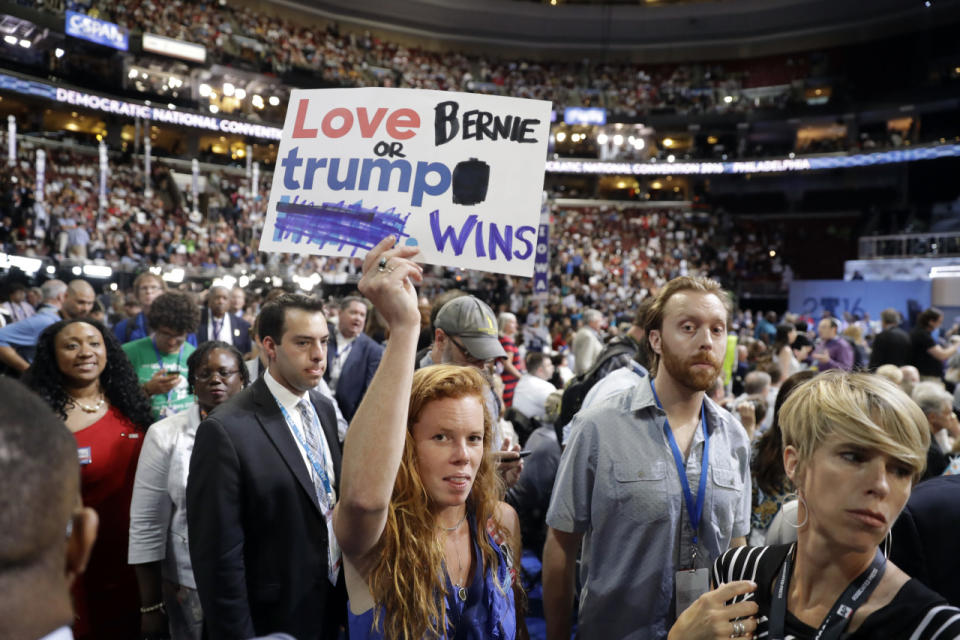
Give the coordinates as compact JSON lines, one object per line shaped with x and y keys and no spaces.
{"x":813,"y":297}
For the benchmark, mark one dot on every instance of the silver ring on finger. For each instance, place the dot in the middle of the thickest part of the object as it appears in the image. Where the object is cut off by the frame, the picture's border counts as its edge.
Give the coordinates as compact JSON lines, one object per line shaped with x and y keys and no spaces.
{"x":738,"y":629}
{"x":382,"y":265}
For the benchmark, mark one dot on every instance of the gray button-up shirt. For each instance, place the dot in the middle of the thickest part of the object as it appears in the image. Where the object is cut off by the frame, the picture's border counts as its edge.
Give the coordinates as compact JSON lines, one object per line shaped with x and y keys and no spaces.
{"x":618,"y":485}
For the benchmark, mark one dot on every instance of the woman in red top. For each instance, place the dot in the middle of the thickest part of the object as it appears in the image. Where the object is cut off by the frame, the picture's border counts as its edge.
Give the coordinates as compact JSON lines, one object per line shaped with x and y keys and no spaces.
{"x":83,"y":374}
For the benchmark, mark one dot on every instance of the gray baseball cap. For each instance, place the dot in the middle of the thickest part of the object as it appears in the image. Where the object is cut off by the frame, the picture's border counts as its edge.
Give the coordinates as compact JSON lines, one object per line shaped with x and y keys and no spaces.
{"x":472,"y":322}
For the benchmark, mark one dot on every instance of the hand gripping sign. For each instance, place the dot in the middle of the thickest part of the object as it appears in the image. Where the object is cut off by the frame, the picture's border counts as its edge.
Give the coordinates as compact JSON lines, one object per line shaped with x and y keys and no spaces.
{"x":458,"y":175}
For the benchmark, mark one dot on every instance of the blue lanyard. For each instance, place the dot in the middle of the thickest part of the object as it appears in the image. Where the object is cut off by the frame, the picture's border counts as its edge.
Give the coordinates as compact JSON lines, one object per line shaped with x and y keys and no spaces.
{"x":317,"y":467}
{"x":153,"y":341}
{"x":141,"y":324}
{"x":695,"y":511}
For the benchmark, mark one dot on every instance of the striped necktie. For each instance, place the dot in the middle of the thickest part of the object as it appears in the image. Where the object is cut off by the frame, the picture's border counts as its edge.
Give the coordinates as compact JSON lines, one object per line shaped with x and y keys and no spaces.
{"x":314,"y":443}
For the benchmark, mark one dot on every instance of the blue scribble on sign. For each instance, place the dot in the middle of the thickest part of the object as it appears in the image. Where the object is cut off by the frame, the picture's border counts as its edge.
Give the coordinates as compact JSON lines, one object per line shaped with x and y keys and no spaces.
{"x":339,"y":224}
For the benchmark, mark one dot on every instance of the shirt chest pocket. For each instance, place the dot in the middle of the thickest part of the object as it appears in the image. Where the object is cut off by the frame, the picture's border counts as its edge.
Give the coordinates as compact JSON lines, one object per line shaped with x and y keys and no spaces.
{"x":641,"y":491}
{"x":727,"y":496}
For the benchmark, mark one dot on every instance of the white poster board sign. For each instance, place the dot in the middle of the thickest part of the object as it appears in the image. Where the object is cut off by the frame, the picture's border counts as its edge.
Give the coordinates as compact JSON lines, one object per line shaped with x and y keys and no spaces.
{"x":458,"y":175}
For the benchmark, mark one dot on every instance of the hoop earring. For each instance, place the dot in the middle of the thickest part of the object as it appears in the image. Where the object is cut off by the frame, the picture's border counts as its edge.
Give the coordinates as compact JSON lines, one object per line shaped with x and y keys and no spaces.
{"x":806,"y":512}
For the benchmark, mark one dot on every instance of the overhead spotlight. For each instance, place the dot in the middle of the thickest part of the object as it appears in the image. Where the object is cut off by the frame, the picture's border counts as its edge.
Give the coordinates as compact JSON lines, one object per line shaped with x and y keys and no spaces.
{"x":240,"y":94}
{"x":58,"y":52}
{"x":671,"y":158}
{"x":618,"y":139}
{"x":773,"y":254}
{"x":132,"y":74}
{"x":274,"y":101}
{"x":25,"y":44}
{"x":668,"y":142}
{"x":214,"y":108}
{"x":51,"y":269}
{"x":144,"y":76}
{"x":257,"y":101}
{"x":575,"y":137}
{"x":561,"y":136}
{"x":728,"y":99}
{"x":204,"y":90}
{"x":228,"y":89}
{"x":171,"y":106}
{"x":602,"y":138}
{"x":77,"y":271}
{"x":639,"y":144}
{"x":10,"y":39}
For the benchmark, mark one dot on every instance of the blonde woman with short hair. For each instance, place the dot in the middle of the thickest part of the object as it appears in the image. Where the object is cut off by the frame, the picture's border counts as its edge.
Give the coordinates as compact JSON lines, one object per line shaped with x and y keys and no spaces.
{"x":854,"y":445}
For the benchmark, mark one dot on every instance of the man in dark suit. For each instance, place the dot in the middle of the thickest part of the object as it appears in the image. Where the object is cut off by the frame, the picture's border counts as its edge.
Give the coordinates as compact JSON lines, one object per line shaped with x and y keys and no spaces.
{"x":354,"y":356}
{"x":261,"y":490}
{"x":892,"y":344}
{"x":216,"y":323}
{"x":924,"y":541}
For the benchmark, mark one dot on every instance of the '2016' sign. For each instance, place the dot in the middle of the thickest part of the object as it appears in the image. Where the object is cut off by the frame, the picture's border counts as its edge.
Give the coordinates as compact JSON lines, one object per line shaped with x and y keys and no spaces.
{"x":836,"y":306}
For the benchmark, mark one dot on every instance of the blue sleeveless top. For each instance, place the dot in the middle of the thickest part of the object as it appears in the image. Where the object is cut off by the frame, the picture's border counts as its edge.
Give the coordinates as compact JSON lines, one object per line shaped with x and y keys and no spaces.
{"x":487,"y":614}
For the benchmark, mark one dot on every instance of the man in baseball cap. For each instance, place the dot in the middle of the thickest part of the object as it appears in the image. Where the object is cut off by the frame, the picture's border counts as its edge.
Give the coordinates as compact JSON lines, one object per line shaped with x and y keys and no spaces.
{"x":465,"y":333}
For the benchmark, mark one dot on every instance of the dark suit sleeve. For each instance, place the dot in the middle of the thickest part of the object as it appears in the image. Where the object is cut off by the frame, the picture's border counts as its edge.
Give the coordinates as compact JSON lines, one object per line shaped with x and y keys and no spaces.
{"x":906,"y":551}
{"x":216,"y":533}
{"x":376,"y":353}
{"x":245,"y":345}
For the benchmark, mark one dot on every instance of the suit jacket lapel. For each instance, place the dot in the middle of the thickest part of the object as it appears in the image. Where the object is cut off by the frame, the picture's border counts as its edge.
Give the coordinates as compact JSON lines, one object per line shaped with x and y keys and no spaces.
{"x":355,"y":348}
{"x":271,"y":419}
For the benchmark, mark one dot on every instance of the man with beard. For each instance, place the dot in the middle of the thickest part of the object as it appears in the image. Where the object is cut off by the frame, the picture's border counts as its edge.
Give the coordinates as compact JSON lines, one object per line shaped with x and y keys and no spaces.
{"x":655,"y":481}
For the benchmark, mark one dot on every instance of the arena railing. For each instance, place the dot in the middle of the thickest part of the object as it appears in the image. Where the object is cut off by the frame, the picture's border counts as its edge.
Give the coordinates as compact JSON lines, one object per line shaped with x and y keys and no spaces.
{"x":910,"y":245}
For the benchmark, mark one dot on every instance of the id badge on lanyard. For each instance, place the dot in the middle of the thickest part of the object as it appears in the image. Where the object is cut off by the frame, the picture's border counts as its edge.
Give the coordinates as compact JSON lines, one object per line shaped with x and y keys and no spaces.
{"x":691,"y":583}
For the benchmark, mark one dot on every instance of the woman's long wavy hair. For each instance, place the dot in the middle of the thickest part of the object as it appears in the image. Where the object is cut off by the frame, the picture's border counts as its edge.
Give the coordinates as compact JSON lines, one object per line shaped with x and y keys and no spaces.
{"x":118,"y":381}
{"x":407,"y":582}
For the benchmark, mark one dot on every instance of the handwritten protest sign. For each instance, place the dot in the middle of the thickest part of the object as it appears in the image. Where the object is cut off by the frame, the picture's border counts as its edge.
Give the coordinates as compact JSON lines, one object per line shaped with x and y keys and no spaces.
{"x":458,"y":175}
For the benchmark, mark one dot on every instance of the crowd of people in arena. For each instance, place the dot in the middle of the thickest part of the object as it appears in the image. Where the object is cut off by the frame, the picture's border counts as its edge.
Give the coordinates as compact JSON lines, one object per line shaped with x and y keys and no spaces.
{"x":593,"y":245}
{"x":190,"y":409}
{"x":277,"y":44}
{"x":405,"y":451}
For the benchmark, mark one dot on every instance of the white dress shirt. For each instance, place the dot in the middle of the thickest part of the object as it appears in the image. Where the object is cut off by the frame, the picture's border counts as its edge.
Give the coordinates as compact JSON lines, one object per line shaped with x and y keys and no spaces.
{"x":158,"y":510}
{"x":343,"y":352}
{"x":253,"y":367}
{"x":226,"y":329}
{"x":530,"y":395}
{"x":63,"y":633}
{"x":289,"y":402}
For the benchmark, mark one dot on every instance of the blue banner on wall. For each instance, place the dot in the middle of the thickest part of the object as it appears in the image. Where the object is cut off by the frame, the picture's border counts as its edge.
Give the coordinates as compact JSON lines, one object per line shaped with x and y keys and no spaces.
{"x":857,"y":297}
{"x":585,"y":115}
{"x":80,"y":25}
